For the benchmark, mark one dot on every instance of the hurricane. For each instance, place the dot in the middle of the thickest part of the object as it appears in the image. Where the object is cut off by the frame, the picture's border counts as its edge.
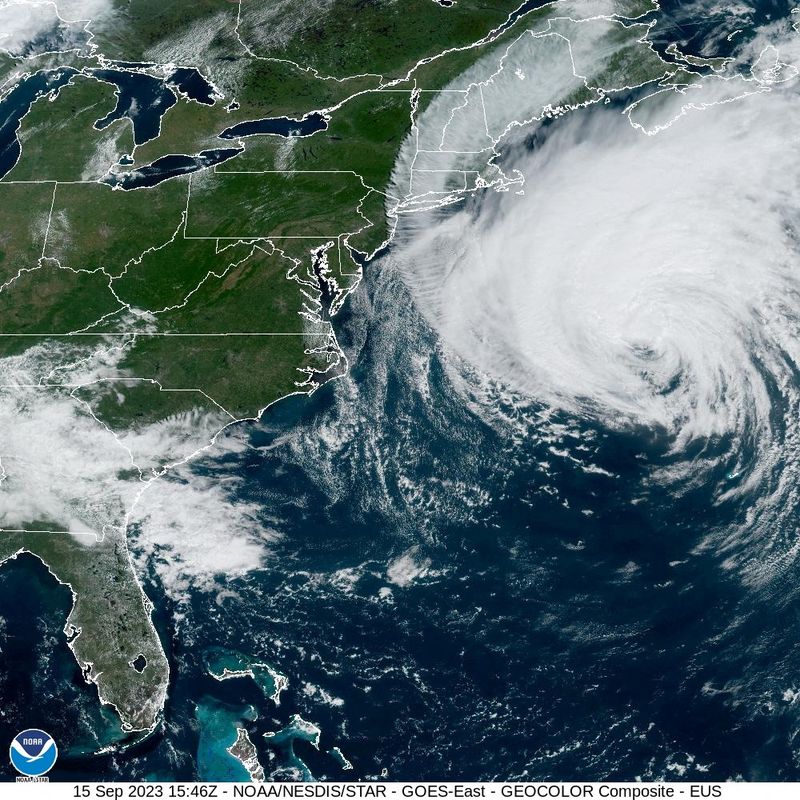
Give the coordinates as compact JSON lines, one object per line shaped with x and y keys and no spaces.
{"x":645,"y":277}
{"x":545,"y":525}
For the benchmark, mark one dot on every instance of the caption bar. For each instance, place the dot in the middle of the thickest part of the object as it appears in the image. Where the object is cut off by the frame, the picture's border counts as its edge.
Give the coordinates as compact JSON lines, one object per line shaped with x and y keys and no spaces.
{"x":33,"y":789}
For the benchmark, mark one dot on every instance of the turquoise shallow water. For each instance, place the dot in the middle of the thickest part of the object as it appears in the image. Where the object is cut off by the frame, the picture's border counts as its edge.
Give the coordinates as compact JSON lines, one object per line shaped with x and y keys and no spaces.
{"x":218,"y":726}
{"x":437,"y":614}
{"x":440,"y":604}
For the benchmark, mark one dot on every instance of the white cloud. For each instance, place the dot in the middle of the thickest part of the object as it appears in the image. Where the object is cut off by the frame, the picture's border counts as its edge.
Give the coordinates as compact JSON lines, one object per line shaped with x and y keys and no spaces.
{"x":407,"y":567}
{"x":200,"y":535}
{"x":637,"y":273}
{"x":59,"y":465}
{"x":23,"y":22}
{"x":645,"y":280}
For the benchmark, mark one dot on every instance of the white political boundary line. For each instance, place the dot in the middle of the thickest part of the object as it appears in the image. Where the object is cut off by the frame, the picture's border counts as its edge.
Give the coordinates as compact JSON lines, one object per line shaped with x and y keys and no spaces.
{"x":75,"y":386}
{"x":261,"y":237}
{"x":31,"y":530}
{"x":49,"y":219}
{"x":488,"y":38}
{"x":513,"y":17}
{"x":273,"y":237}
{"x":144,"y":333}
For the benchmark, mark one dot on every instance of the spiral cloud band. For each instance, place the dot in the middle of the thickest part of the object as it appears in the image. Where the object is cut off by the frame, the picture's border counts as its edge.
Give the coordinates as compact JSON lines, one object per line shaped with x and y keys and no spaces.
{"x":647,"y":274}
{"x":639,"y":270}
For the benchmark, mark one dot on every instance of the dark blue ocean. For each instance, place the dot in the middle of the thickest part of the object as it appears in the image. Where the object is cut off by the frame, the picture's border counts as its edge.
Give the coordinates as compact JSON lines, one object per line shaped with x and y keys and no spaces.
{"x":453,"y":595}
{"x":534,"y":641}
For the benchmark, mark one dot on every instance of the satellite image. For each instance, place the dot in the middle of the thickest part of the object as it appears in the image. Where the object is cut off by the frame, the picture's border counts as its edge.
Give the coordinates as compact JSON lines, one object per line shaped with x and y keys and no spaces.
{"x":398,"y":390}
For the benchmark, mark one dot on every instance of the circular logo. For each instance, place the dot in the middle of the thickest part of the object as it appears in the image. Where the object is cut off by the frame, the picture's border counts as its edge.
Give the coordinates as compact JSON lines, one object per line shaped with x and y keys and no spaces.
{"x":33,"y":752}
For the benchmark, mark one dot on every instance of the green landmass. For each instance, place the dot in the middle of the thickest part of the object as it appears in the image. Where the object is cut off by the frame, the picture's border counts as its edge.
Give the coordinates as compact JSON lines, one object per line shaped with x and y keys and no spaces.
{"x":208,"y":297}
{"x":244,"y":750}
{"x":241,"y":373}
{"x":353,"y":37}
{"x":187,"y":127}
{"x":96,"y":227}
{"x":277,"y":88}
{"x":25,"y":211}
{"x":238,"y":205}
{"x":59,"y":142}
{"x":164,"y":277}
{"x":222,"y":755}
{"x":109,"y":625}
{"x":54,"y":300}
{"x":224,"y":664}
{"x":137,"y":25}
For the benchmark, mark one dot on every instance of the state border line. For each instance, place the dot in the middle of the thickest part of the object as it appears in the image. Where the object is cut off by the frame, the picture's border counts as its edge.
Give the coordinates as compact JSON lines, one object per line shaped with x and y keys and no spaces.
{"x":164,"y":333}
{"x":31,"y":530}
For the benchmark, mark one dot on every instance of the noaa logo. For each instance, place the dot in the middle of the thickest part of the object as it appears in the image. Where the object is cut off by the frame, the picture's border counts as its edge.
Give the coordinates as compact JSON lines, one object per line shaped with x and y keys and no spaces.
{"x":33,"y":752}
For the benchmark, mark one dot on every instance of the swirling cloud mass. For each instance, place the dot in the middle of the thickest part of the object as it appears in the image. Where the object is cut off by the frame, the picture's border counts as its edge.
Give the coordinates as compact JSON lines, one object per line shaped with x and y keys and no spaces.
{"x":647,"y":276}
